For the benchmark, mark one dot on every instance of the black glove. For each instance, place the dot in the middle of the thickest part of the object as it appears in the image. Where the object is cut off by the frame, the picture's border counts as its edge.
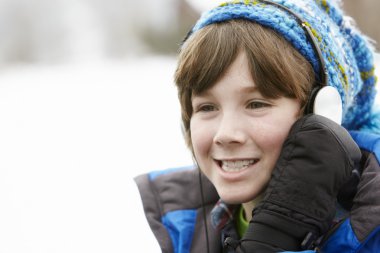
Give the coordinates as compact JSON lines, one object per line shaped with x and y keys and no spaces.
{"x":299,"y":203}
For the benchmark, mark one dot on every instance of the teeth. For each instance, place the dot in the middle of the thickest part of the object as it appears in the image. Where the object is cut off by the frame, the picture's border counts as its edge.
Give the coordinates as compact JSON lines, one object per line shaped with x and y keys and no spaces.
{"x":236,"y":165}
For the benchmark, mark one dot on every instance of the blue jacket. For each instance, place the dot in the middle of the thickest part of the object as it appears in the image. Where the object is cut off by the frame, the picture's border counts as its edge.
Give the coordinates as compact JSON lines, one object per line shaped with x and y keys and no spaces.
{"x":173,"y":207}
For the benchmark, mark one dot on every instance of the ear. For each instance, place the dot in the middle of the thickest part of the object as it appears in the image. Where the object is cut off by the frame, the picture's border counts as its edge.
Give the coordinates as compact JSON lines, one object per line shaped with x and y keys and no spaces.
{"x":328,"y":103}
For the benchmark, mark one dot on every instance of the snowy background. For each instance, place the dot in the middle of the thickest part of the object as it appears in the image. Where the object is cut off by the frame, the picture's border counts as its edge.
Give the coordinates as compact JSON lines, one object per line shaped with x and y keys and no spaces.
{"x":72,"y":137}
{"x":80,"y":117}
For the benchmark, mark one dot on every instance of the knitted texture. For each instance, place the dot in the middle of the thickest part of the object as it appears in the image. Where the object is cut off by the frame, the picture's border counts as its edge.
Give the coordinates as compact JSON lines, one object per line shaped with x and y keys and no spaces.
{"x":346,"y":52}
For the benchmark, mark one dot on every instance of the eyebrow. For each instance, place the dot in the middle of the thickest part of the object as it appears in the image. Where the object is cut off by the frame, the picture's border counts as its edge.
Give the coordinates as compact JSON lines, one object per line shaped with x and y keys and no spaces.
{"x":249,"y":89}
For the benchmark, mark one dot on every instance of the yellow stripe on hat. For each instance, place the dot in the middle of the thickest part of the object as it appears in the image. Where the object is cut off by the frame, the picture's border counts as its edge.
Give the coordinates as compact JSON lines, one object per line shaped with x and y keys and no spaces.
{"x":367,"y":74}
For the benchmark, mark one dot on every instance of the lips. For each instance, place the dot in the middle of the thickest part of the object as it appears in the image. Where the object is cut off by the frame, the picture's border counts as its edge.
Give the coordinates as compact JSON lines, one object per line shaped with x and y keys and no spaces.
{"x":236,"y":165}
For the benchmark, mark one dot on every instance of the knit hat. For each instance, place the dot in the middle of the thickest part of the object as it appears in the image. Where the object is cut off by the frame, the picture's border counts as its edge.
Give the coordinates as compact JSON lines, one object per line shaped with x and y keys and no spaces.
{"x":347,"y":54}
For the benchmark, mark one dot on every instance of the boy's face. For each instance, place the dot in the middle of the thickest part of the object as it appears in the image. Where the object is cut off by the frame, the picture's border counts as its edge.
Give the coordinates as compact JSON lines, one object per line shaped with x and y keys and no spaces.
{"x":237,"y":134}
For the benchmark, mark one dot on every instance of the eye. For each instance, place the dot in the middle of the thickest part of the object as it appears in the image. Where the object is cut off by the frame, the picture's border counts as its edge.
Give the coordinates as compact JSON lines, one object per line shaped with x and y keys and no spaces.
{"x":257,"y":105}
{"x":206,"y":108}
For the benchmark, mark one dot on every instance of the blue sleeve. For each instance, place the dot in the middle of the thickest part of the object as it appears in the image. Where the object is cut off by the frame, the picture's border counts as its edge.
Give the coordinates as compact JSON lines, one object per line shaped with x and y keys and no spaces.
{"x":345,"y":240}
{"x":306,"y":251}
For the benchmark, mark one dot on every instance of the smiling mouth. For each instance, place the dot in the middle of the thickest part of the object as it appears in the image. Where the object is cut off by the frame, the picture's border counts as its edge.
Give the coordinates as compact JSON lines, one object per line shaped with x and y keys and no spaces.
{"x":236,"y":165}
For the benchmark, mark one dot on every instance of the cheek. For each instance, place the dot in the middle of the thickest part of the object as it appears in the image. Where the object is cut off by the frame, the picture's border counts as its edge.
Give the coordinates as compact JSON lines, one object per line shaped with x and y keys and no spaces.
{"x":273,"y":137}
{"x":273,"y":147}
{"x":201,"y":139}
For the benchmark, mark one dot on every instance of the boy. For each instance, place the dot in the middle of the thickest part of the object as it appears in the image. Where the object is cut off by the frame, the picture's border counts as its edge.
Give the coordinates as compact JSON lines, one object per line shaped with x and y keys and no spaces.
{"x":250,"y":77}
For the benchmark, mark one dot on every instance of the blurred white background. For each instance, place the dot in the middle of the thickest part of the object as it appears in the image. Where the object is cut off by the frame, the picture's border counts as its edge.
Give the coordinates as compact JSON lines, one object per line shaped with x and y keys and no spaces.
{"x":87,"y":102}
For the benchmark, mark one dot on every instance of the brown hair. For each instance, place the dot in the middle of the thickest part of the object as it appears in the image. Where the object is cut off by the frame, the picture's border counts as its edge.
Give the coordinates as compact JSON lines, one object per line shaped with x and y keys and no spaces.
{"x":276,"y":67}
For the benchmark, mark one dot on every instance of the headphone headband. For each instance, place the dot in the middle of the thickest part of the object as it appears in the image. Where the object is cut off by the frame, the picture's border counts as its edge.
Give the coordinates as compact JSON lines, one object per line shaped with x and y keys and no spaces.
{"x":306,"y":27}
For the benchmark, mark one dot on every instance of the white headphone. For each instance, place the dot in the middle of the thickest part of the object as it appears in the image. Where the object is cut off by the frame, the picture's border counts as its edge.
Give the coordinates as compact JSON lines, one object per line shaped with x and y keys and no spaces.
{"x":326,"y":101}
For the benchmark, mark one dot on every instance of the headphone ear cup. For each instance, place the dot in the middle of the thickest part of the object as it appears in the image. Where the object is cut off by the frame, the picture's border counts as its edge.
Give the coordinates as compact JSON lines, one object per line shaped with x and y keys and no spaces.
{"x":328,"y":103}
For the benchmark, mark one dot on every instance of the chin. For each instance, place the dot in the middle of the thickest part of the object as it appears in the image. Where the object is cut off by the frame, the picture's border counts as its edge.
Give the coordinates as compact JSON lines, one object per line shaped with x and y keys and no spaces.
{"x":236,"y":198}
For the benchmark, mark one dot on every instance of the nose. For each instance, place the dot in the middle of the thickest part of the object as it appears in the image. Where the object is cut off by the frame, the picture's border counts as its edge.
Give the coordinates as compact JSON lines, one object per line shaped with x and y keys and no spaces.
{"x":230,"y":131}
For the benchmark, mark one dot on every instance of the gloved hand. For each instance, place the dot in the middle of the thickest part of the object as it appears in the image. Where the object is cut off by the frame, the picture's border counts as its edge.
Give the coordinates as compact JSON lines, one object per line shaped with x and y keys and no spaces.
{"x":299,"y":202}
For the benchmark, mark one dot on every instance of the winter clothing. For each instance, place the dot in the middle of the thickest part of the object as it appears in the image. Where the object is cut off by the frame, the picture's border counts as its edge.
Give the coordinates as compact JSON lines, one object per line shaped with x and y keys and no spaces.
{"x":173,"y":207}
{"x":172,"y":203}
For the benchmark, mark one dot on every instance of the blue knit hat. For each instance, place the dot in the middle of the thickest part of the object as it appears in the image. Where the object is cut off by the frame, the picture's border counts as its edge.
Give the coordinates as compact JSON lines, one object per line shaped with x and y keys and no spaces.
{"x":347,"y":54}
